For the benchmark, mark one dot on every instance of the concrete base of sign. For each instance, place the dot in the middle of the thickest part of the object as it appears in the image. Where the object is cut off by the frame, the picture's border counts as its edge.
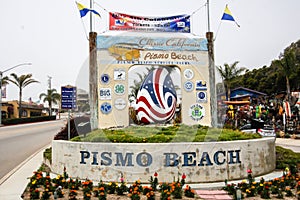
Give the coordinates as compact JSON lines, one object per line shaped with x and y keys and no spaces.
{"x":200,"y":162}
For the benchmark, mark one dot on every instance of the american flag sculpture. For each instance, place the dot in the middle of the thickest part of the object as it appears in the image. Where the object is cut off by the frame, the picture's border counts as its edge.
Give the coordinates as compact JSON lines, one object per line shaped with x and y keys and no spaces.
{"x":156,"y":98}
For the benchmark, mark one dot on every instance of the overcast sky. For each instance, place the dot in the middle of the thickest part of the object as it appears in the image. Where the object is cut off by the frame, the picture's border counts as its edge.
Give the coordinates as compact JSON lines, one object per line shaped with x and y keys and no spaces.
{"x":52,"y":36}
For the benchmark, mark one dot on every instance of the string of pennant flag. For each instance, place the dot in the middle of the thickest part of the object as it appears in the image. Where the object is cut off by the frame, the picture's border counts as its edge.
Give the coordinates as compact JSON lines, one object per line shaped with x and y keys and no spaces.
{"x":183,"y":25}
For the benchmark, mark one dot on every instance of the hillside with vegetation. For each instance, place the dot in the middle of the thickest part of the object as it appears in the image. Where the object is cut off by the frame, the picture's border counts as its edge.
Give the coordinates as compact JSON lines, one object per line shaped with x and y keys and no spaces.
{"x":282,"y":73}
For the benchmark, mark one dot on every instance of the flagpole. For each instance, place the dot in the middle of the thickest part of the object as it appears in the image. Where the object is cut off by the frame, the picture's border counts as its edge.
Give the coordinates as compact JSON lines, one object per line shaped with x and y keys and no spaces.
{"x":91,"y":17}
{"x":208,"y":20}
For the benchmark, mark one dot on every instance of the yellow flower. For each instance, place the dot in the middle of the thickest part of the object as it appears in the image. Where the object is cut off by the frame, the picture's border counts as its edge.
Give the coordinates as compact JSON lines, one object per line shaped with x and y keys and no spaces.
{"x":33,"y":182}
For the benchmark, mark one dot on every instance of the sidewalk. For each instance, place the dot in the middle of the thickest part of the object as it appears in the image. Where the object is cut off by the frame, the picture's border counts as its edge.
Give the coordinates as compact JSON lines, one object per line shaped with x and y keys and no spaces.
{"x":13,"y":184}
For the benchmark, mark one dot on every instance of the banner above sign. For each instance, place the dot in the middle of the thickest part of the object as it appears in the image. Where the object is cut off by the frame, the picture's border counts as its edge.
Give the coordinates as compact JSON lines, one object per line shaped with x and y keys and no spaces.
{"x":125,"y":22}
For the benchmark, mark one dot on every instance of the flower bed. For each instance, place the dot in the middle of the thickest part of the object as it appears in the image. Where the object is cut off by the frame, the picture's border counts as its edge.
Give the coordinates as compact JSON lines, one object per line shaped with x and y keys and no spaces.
{"x":285,"y":187}
{"x":41,"y":186}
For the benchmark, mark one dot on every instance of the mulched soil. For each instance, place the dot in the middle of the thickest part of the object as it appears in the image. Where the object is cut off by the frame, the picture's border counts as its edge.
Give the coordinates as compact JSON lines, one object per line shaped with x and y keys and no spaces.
{"x":26,"y":196}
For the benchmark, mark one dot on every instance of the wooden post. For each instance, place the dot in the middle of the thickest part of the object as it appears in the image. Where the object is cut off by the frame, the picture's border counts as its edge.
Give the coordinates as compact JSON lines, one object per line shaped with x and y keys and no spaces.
{"x":93,"y":72}
{"x":211,"y":63}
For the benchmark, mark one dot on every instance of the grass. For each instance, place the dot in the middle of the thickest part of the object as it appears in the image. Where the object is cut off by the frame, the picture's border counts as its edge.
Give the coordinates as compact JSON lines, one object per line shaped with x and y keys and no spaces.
{"x":166,"y":134}
{"x":287,"y":158}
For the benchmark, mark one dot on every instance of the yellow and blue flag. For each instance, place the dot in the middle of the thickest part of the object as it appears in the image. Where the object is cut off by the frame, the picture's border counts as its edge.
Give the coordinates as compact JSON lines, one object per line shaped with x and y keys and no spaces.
{"x":228,"y":16}
{"x":84,"y":10}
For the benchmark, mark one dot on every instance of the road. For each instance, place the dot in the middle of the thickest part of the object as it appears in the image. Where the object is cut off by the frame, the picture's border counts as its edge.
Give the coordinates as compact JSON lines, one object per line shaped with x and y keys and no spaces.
{"x":19,"y":142}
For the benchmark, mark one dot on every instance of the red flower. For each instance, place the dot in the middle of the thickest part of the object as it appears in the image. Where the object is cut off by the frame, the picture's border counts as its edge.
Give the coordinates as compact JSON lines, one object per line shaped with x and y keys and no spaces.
{"x":155,"y":174}
{"x":183,"y":176}
{"x":249,"y":171}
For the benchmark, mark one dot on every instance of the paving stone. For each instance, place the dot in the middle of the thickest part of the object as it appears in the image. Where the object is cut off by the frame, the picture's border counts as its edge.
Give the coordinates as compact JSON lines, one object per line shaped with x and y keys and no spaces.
{"x":213,"y":194}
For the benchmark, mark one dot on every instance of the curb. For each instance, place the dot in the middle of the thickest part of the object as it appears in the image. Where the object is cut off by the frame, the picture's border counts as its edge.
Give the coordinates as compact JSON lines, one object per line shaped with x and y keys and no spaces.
{"x":13,"y":171}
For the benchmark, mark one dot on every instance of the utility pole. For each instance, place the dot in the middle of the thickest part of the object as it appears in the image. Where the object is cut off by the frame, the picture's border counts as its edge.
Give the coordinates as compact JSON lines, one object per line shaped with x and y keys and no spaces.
{"x":49,"y":86}
{"x":49,"y":82}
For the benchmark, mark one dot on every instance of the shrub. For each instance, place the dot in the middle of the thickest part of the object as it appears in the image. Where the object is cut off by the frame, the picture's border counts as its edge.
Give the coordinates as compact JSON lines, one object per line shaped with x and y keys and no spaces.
{"x":27,"y":120}
{"x":286,"y":158}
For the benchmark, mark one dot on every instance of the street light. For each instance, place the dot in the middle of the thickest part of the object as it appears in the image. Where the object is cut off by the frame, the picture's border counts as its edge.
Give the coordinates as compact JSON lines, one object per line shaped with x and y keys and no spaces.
{"x":1,"y":73}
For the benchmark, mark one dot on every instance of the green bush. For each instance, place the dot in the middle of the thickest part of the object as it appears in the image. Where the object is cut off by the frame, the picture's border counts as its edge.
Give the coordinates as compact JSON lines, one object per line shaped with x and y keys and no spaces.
{"x":27,"y":120}
{"x":286,"y":158}
{"x":175,"y":133}
{"x":48,"y":154}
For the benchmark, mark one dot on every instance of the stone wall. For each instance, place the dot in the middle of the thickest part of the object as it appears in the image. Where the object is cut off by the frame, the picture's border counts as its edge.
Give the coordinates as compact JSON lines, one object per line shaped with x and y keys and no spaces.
{"x":201,"y":162}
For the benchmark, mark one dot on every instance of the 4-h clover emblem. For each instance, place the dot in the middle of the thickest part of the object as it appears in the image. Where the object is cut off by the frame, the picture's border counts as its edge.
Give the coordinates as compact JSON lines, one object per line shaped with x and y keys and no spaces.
{"x":119,"y":89}
{"x":196,"y":112}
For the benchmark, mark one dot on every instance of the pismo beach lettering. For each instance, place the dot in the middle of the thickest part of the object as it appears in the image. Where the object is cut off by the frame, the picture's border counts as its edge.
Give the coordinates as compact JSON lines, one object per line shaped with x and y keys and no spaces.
{"x":172,"y":55}
{"x":145,"y":159}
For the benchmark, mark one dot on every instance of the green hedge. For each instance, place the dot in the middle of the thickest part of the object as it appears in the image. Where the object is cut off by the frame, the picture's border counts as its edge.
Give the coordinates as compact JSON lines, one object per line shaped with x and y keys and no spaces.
{"x":155,"y":134}
{"x":27,"y":120}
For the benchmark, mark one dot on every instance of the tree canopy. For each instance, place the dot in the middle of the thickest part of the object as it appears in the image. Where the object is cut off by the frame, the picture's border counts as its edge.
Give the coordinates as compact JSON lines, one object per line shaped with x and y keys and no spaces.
{"x":282,"y":76}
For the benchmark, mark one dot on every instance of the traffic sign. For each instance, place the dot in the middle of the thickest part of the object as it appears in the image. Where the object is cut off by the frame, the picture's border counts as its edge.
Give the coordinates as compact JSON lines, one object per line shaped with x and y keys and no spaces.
{"x":68,"y":97}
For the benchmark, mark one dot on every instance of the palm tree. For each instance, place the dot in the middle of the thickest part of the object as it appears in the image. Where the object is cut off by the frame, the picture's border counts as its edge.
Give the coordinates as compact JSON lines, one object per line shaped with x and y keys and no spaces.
{"x":4,"y":81}
{"x":287,"y":62}
{"x":21,"y":82}
{"x":228,"y":74}
{"x":51,"y":97}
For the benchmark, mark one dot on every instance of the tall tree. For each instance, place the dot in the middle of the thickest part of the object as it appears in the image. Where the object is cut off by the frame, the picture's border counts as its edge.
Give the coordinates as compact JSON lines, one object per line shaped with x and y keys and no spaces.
{"x":4,"y":81}
{"x":21,"y":82}
{"x":51,"y":97}
{"x":228,"y":73}
{"x":287,"y":62}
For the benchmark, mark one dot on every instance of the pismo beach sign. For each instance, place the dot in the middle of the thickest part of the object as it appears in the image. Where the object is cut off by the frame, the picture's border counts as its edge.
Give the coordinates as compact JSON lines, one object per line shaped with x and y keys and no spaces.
{"x":201,"y":162}
{"x":145,"y":159}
